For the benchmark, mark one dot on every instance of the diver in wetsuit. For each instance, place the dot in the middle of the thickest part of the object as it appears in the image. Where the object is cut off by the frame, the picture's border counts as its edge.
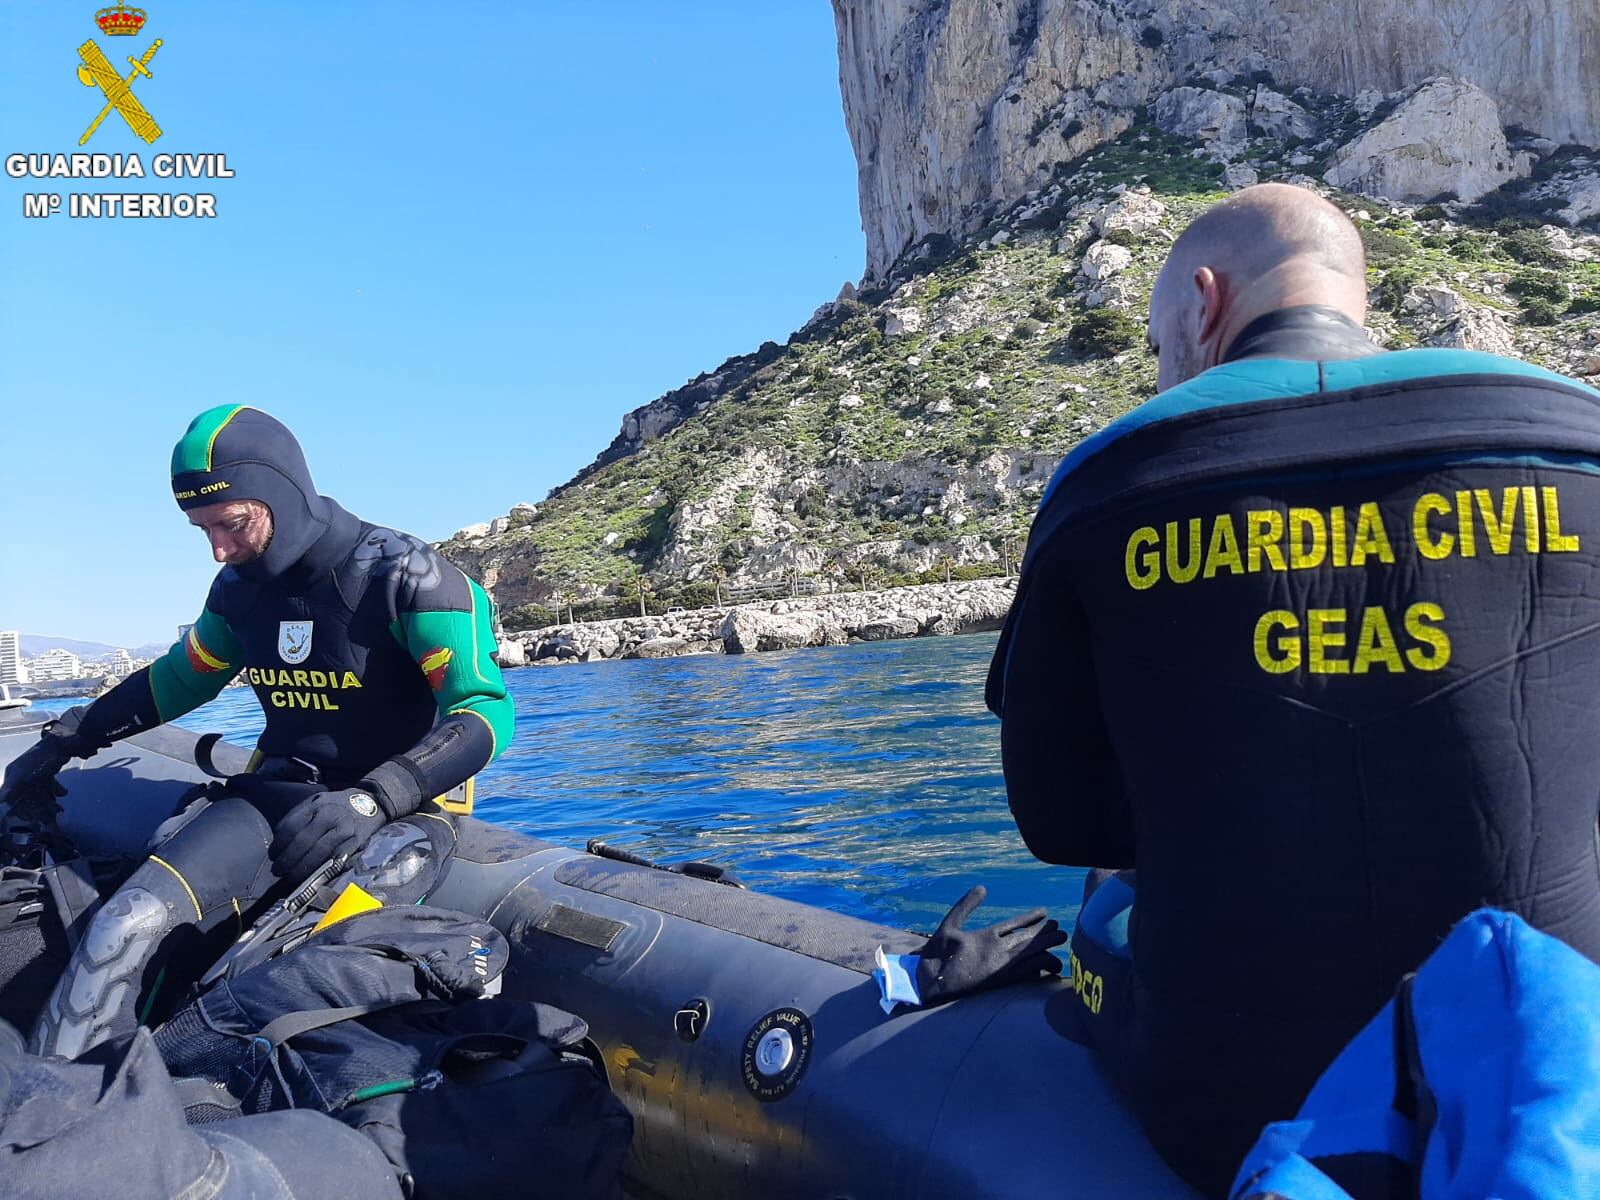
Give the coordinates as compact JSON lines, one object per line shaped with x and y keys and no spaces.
{"x":1312,"y":640}
{"x":371,"y":657}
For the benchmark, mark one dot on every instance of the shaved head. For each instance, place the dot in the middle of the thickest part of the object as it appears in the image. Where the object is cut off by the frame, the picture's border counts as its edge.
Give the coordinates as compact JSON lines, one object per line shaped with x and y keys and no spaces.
{"x":1267,"y":247}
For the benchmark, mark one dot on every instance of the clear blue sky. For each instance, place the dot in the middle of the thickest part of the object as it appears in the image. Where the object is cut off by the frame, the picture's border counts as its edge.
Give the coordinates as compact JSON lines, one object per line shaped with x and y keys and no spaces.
{"x":461,"y":242}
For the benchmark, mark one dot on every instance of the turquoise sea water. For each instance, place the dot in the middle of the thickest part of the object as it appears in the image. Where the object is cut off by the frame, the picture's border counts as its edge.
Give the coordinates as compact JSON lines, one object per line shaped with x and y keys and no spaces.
{"x":862,"y":778}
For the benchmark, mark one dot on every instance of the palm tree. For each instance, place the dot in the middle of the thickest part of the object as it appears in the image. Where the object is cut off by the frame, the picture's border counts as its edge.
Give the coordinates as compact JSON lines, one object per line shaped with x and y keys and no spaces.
{"x":644,"y":586}
{"x":718,"y":577}
{"x":946,"y":562}
{"x":834,"y":568}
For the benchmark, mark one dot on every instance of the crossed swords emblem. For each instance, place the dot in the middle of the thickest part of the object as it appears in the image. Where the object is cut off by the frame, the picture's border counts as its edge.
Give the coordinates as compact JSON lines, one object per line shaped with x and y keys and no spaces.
{"x":97,"y":69}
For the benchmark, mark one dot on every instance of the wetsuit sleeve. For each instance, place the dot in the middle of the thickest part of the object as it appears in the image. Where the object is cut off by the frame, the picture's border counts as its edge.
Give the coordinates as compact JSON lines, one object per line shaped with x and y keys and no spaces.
{"x":197,"y":668}
{"x":1062,"y":780}
{"x":448,"y":630}
{"x":193,"y":671}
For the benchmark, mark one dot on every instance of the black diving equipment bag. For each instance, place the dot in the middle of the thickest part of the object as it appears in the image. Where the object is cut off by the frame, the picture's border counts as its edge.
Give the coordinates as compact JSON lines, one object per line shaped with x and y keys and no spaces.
{"x":380,"y":1021}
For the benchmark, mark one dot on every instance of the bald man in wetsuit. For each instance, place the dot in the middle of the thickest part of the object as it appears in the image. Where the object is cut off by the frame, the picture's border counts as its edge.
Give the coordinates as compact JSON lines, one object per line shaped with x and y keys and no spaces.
{"x":371,"y":657}
{"x":1312,"y":640}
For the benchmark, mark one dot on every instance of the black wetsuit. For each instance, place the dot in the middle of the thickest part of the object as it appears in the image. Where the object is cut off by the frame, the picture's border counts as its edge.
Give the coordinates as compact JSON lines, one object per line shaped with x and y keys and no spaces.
{"x":1314,"y":641}
{"x":372,"y":659}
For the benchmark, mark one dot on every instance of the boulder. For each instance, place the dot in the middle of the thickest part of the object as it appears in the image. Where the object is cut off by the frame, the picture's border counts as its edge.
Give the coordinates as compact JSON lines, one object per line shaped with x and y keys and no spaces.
{"x":1136,"y":211}
{"x":886,"y":630}
{"x":1583,"y":200}
{"x":901,"y":322}
{"x":747,"y":630}
{"x":659,"y":647}
{"x":1445,"y":138}
{"x":1477,"y":329}
{"x":1440,"y":301}
{"x":468,"y":532}
{"x":1114,"y":293}
{"x":512,"y":653}
{"x":1240,"y":175}
{"x":1367,"y":101}
{"x":1104,"y":259}
{"x":1215,"y":118}
{"x":499,"y":525}
{"x":1278,"y":116}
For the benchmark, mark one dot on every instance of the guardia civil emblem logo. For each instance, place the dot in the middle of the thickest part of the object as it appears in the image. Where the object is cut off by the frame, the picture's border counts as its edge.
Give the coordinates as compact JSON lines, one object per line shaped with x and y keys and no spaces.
{"x":96,"y":71}
{"x":294,"y":641}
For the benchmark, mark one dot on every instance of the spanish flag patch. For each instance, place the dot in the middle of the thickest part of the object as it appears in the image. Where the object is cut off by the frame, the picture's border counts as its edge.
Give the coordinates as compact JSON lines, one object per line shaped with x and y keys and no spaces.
{"x":433,"y":665}
{"x":200,"y":659}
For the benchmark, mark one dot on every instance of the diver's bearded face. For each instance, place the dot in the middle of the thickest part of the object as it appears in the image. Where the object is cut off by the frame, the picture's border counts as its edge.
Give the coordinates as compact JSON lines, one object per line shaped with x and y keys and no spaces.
{"x":239,"y":530}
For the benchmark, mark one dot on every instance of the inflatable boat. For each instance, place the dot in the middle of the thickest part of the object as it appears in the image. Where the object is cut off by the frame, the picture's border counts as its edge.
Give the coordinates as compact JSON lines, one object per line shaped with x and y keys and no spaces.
{"x":743,"y":1032}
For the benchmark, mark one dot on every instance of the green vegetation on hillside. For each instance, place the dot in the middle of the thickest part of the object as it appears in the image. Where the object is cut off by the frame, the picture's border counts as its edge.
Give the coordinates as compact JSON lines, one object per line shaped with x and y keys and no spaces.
{"x":913,"y":433}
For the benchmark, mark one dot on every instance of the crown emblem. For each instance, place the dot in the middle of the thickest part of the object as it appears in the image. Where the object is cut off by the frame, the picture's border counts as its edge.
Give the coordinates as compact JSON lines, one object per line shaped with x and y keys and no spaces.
{"x":120,"y":20}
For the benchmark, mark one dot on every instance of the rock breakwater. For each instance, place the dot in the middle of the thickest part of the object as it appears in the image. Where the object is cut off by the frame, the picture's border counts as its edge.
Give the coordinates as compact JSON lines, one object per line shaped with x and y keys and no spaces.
{"x":832,"y":620}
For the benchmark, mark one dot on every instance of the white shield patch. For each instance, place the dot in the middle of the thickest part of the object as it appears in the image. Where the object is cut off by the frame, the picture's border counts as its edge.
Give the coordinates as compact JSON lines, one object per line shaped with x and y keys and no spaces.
{"x":294,"y":641}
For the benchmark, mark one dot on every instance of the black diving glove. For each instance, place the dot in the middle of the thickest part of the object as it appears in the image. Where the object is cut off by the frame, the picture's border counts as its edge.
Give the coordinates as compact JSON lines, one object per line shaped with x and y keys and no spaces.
{"x":323,"y":826}
{"x":36,"y":767}
{"x":956,"y":961}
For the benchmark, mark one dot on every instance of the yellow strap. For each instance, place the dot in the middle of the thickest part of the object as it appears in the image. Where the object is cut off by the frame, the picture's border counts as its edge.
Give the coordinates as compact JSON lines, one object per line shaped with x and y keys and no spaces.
{"x":178,"y":875}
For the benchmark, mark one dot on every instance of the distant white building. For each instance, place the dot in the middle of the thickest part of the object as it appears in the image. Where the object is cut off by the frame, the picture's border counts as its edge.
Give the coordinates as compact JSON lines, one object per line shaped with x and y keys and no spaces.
{"x":56,"y":664}
{"x":12,"y":669}
{"x":121,"y":664}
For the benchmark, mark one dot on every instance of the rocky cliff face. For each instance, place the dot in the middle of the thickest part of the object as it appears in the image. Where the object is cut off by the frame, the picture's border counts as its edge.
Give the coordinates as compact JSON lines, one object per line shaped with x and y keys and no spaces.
{"x":1037,"y":157}
{"x":958,"y":108}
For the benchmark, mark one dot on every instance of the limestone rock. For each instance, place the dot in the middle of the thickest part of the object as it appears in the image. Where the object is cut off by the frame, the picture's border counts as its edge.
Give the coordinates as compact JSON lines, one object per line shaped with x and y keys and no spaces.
{"x":511,"y":653}
{"x":1445,"y":138}
{"x":1212,"y":117}
{"x":789,"y":624}
{"x":499,"y":525}
{"x":1367,"y":101}
{"x":957,"y":110}
{"x":672,"y":647}
{"x":1478,"y":329}
{"x":881,"y":631}
{"x":524,"y":510}
{"x":748,"y":630}
{"x":1136,"y":211}
{"x":468,"y":532}
{"x":1440,"y":301}
{"x":1583,"y":200}
{"x":1279,"y":117}
{"x":902,"y":321}
{"x":1240,"y":175}
{"x":1104,"y":259}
